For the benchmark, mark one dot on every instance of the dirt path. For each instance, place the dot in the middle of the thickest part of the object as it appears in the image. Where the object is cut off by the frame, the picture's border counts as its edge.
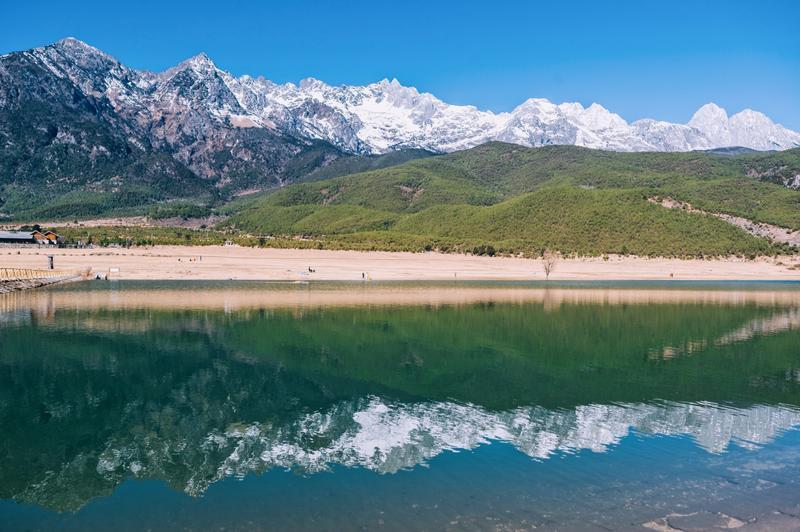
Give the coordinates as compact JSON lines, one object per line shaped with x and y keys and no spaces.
{"x":772,"y":232}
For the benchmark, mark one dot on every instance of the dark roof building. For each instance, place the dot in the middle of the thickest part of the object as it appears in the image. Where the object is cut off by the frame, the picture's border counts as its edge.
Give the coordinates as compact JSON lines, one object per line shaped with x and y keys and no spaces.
{"x":17,"y":237}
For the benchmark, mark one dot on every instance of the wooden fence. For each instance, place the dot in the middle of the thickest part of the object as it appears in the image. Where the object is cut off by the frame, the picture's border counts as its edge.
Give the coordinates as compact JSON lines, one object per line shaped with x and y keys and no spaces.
{"x":20,"y":274}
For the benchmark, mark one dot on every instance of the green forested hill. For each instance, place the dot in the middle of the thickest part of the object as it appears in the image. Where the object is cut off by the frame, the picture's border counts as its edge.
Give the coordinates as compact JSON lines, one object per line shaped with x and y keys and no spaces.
{"x":509,"y":198}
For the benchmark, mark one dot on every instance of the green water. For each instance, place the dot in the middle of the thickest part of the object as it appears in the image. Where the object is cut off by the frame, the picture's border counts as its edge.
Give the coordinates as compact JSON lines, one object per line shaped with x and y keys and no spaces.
{"x":481,"y":415}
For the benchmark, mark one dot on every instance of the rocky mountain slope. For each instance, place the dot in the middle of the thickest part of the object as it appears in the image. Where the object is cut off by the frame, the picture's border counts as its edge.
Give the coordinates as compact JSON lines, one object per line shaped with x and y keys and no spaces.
{"x":82,"y":133}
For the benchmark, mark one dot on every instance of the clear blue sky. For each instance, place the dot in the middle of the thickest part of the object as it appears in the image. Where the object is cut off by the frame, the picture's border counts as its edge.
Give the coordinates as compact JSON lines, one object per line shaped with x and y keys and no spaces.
{"x":641,"y":58}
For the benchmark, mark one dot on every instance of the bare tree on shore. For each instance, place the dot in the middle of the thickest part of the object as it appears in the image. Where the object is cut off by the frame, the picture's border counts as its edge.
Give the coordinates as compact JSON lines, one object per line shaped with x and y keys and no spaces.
{"x":549,"y":261}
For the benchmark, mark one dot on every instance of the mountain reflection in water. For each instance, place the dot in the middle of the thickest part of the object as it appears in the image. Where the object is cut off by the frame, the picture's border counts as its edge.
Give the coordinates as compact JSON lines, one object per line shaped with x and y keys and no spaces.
{"x":94,"y":391}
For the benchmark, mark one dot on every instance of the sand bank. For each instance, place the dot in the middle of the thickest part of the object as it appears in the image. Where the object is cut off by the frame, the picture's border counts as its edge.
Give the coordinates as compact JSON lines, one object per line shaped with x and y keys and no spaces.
{"x":237,"y":263}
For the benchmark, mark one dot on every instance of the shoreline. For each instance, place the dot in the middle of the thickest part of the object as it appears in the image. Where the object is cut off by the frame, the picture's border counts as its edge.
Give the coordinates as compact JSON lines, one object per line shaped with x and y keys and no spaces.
{"x":18,"y":285}
{"x":280,"y":264}
{"x":230,"y":298}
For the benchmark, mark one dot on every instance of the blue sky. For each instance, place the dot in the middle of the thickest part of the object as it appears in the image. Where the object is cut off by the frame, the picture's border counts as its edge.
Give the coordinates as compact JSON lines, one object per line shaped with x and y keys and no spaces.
{"x":640,"y":59}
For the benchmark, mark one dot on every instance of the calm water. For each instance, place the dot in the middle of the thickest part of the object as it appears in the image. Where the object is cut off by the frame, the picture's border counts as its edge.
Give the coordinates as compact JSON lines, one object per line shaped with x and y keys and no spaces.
{"x":128,"y":406}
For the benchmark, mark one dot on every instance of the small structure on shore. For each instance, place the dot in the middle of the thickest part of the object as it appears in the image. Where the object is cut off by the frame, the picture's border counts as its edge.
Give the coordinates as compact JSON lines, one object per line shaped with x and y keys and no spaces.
{"x":52,"y":237}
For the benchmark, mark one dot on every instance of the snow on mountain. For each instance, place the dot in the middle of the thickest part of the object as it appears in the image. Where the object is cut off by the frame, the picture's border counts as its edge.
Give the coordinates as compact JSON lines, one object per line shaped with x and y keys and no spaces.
{"x":385,"y":116}
{"x":197,"y":100}
{"x":754,"y":130}
{"x":712,"y":121}
{"x":747,"y":128}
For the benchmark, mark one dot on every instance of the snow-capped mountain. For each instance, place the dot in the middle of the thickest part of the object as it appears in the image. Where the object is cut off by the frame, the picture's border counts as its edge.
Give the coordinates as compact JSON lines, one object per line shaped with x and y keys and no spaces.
{"x":73,"y":118}
{"x":195,"y":106}
{"x":386,"y":115}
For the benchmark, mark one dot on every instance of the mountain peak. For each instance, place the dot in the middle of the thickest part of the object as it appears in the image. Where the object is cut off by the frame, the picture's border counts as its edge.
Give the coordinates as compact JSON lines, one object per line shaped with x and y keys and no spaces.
{"x":77,"y":49}
{"x":70,"y":41}
{"x":710,"y":112}
{"x":201,"y":59}
{"x":70,"y":53}
{"x":598,"y":117}
{"x":199,"y":63}
{"x":751,"y":114}
{"x":712,"y":121}
{"x":311,"y":83}
{"x":535,"y":103}
{"x":711,"y":106}
{"x":395,"y":90}
{"x":74,"y":43}
{"x":386,"y":82}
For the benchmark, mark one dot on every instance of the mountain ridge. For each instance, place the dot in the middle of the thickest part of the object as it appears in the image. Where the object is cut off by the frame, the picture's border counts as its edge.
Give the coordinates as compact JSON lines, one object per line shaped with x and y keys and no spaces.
{"x":385,"y":115}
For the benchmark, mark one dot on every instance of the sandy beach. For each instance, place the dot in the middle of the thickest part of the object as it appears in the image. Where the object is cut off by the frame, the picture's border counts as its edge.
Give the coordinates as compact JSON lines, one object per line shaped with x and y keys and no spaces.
{"x":237,"y":263}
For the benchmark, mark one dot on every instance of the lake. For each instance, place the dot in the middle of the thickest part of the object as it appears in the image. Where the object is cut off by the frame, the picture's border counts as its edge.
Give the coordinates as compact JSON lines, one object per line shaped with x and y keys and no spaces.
{"x":341,"y":406}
